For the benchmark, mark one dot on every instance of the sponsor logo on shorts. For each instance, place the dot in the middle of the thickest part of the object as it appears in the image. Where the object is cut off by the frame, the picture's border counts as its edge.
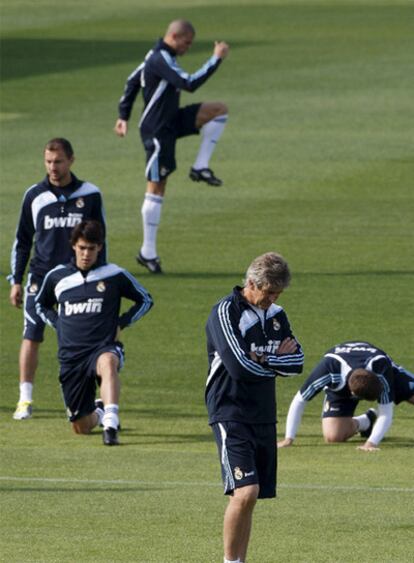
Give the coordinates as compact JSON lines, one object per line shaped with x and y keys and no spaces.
{"x":80,"y":202}
{"x":101,"y":287}
{"x":326,"y":406}
{"x":238,"y":474}
{"x":249,"y":474}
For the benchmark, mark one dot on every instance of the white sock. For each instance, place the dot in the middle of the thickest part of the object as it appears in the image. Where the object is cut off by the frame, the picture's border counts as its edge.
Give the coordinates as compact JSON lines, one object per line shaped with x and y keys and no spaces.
{"x":232,"y":560}
{"x":210,"y":133}
{"x":363,"y":422}
{"x":110,"y":418}
{"x":100,"y":414}
{"x":151,"y":213}
{"x":26,"y":392}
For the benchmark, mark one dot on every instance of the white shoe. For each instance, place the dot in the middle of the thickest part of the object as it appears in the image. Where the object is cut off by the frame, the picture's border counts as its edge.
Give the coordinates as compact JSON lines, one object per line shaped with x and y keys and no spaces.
{"x":23,"y":410}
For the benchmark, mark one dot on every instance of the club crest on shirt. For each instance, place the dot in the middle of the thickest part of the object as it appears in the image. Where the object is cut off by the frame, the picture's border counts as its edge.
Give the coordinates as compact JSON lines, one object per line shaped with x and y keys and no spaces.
{"x":238,"y":474}
{"x":33,"y":288}
{"x":276,"y":324}
{"x":101,"y":287}
{"x":80,"y":202}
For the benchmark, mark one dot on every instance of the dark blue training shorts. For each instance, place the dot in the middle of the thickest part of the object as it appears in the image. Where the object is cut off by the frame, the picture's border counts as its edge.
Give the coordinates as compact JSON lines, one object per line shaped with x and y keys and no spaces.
{"x":334,"y":406}
{"x":34,"y":327}
{"x":160,"y":147}
{"x":248,"y":456}
{"x":78,"y":382}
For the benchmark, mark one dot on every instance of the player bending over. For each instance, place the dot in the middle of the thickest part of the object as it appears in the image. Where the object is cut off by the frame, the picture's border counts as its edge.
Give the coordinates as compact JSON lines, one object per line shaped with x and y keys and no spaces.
{"x":348,"y":373}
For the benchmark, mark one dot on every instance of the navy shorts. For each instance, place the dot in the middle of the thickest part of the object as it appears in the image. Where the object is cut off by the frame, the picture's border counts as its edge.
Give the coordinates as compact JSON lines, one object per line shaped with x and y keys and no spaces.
{"x":248,"y":456}
{"x":403,"y":387}
{"x":334,"y":406}
{"x":78,"y":382}
{"x":34,"y":327}
{"x":160,"y":148}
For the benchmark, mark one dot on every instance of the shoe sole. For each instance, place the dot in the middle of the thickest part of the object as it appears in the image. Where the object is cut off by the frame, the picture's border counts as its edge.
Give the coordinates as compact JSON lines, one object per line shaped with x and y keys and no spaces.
{"x":145,"y":265}
{"x":214,"y":184}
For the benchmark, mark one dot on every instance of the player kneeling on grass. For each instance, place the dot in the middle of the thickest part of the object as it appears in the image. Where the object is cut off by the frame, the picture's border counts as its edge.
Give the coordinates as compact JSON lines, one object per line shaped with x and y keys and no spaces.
{"x":88,"y":299}
{"x":348,"y":373}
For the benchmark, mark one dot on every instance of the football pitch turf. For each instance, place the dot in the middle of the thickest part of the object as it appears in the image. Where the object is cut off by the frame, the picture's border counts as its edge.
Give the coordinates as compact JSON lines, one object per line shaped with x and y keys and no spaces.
{"x":317,"y":163}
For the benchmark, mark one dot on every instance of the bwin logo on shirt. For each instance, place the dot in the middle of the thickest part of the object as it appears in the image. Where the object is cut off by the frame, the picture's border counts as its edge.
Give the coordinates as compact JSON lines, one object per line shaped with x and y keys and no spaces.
{"x":270,"y":348}
{"x":70,"y":221}
{"x":89,"y":306}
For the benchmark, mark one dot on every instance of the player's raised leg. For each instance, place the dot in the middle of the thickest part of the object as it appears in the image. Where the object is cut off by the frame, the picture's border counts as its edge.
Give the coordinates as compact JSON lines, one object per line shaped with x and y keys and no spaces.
{"x":211,"y":119}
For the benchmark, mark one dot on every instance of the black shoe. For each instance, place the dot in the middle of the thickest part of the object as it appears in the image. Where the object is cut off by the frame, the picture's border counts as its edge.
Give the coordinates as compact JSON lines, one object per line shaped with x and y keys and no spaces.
{"x":372,"y":415}
{"x":205,"y":175}
{"x":153,"y":265}
{"x":110,"y":437}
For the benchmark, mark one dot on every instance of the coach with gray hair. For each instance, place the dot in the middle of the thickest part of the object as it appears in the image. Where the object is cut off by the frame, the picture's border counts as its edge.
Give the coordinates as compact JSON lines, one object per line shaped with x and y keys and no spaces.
{"x":249,"y":343}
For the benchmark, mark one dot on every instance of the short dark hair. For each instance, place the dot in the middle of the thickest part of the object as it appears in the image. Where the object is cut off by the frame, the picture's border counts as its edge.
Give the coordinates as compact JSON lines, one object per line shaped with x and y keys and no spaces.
{"x":364,"y":384}
{"x":91,"y":231}
{"x":59,"y":143}
{"x":180,"y":27}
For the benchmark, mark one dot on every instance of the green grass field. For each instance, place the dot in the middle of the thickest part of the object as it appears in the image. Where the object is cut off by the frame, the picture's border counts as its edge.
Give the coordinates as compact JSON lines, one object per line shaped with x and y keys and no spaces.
{"x":318,"y":164}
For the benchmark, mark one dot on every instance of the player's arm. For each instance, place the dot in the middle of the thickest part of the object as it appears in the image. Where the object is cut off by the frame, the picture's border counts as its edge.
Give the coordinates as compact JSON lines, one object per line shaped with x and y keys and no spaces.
{"x":167,"y":67}
{"x":132,"y":87}
{"x":227,"y":340}
{"x":380,"y":428}
{"x":293,"y":420}
{"x":289,"y":357}
{"x":46,"y":300}
{"x":319,"y":378}
{"x":20,"y":253}
{"x":131,"y":289}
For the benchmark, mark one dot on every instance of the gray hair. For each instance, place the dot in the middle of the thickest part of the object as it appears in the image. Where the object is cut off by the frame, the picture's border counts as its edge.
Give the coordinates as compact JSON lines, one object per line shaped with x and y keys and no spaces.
{"x":269,"y":270}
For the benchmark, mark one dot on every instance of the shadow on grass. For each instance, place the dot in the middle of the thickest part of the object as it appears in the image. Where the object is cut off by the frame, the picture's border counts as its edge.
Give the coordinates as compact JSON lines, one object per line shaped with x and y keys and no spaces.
{"x":25,"y":57}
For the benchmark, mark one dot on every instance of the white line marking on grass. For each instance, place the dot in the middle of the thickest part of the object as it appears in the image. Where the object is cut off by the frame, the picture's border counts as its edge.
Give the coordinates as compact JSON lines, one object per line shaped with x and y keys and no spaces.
{"x":305,"y":486}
